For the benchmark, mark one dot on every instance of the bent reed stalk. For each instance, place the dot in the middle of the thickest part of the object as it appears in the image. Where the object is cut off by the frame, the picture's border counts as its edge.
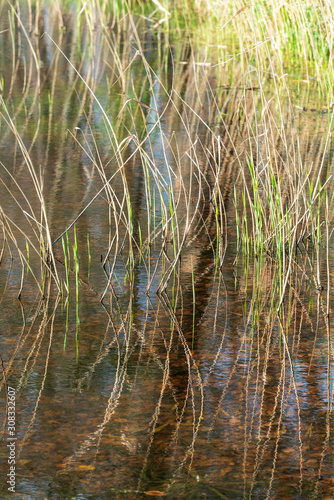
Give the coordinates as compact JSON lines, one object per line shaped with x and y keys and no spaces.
{"x":195,"y":163}
{"x":278,"y":201}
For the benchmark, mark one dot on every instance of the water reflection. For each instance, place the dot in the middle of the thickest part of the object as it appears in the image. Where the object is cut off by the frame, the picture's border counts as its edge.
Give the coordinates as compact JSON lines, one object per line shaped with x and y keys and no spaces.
{"x":189,"y":393}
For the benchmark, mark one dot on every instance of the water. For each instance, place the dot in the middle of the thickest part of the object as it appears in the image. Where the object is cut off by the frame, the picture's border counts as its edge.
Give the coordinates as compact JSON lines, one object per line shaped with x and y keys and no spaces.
{"x":184,"y":394}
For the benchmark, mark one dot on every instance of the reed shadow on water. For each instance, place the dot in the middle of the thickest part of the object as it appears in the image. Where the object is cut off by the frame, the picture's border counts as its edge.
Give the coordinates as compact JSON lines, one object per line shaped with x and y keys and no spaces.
{"x":166,"y":251}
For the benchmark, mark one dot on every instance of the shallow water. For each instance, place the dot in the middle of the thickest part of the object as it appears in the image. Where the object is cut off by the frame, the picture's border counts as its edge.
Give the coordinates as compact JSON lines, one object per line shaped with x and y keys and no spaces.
{"x":184,"y":394}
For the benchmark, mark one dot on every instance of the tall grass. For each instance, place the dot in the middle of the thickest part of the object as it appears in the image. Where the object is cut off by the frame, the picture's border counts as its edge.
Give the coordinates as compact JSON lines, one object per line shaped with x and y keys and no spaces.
{"x":278,"y":200}
{"x":190,"y":162}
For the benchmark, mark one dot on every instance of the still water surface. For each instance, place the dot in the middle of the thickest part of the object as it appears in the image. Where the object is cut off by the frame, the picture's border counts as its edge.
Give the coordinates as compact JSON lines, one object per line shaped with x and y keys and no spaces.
{"x":184,"y":394}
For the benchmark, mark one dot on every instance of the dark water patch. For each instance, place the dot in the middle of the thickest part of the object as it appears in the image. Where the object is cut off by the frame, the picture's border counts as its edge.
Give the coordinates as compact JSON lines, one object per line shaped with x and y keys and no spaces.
{"x":189,"y":380}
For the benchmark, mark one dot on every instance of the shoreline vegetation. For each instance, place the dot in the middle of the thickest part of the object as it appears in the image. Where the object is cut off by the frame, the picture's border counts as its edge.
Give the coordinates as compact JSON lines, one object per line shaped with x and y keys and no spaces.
{"x":279,"y":197}
{"x":149,"y":145}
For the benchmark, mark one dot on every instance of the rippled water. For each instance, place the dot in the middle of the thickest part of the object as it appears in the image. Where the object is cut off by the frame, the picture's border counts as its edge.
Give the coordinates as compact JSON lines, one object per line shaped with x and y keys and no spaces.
{"x":184,"y":394}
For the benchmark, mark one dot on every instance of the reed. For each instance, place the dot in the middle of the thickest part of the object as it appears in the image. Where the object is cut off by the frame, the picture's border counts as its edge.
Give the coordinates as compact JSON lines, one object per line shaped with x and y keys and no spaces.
{"x":178,"y":182}
{"x":271,"y":203}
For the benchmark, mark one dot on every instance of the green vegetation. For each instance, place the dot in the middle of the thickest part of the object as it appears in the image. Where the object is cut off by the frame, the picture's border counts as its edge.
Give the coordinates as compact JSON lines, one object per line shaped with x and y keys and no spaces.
{"x":278,"y":199}
{"x":147,"y":145}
